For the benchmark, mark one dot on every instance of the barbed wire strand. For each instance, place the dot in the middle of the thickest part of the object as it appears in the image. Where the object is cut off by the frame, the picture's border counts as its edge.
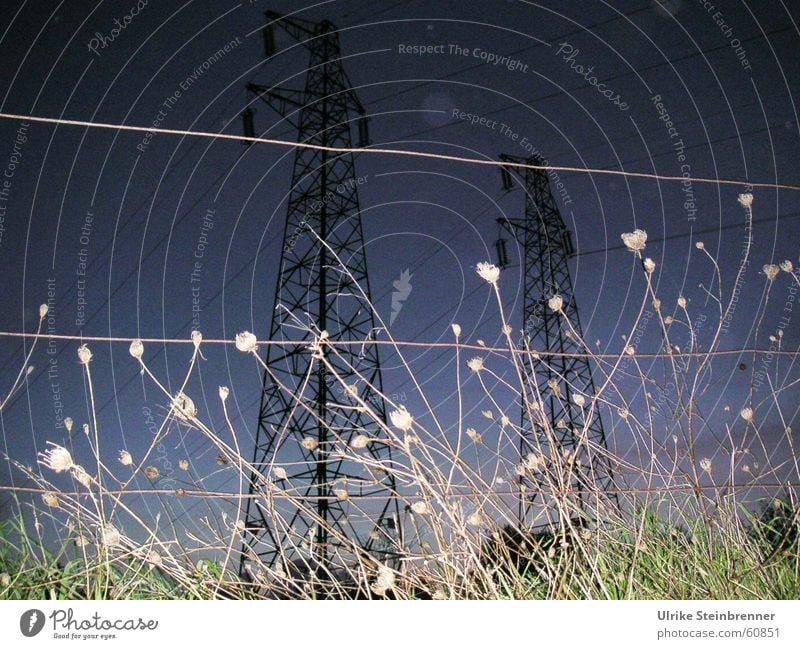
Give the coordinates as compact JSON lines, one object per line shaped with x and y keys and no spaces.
{"x":398,"y":343}
{"x":399,"y":152}
{"x":181,"y":492}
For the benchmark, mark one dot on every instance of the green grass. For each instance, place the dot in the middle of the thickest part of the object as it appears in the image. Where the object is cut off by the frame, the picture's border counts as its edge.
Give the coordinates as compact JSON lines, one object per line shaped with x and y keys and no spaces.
{"x":645,"y":559}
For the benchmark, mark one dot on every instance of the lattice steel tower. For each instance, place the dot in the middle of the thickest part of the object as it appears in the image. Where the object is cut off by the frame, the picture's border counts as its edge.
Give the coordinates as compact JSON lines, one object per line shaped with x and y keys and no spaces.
{"x":306,"y":418}
{"x":547,"y":246}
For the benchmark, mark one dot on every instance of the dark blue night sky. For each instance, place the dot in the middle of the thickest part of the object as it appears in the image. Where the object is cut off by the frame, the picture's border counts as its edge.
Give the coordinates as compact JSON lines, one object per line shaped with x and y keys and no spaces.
{"x":152,"y":235}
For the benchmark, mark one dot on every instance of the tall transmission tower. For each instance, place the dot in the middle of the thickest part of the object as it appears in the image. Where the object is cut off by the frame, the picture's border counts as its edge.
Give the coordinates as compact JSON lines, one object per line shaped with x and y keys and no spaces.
{"x":307,"y":420}
{"x":547,"y":247}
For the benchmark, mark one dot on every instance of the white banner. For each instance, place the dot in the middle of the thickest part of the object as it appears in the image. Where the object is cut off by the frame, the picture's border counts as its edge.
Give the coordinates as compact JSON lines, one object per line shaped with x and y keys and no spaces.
{"x":387,"y":624}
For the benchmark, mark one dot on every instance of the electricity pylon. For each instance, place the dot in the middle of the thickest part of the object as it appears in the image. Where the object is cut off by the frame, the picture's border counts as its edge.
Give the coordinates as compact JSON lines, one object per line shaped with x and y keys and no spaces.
{"x":312,"y":406}
{"x":559,"y":369}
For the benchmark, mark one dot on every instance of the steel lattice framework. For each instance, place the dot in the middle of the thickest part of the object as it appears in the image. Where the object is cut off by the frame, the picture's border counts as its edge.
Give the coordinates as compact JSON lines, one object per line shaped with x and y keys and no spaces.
{"x":307,"y":418}
{"x":547,"y":246}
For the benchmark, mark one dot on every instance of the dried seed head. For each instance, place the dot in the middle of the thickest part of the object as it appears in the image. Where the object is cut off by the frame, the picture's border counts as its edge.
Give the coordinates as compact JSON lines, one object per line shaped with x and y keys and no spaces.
{"x":84,"y":355}
{"x":456,"y":329}
{"x":136,"y":349}
{"x":533,"y":462}
{"x":43,"y":309}
{"x":197,"y":338}
{"x":384,"y":582}
{"x":50,"y":499}
{"x":747,"y":414}
{"x":649,"y":265}
{"x":309,"y":443}
{"x":635,"y":241}
{"x":81,"y":475}
{"x":668,"y":320}
{"x":184,"y":465}
{"x":579,"y":400}
{"x":420,"y":507}
{"x":246,"y":342}
{"x":746,"y":200}
{"x":68,"y":424}
{"x":359,"y":441}
{"x":787,"y":266}
{"x":57,"y":459}
{"x":280,"y":473}
{"x":475,"y":364}
{"x":475,"y":519}
{"x":555,"y":303}
{"x":154,"y":559}
{"x":110,"y":536}
{"x":184,"y":407}
{"x":624,"y":413}
{"x":699,"y":245}
{"x":401,"y":419}
{"x":629,"y":350}
{"x":5,"y":580}
{"x":223,"y":392}
{"x":152,"y":473}
{"x":705,"y":465}
{"x":341,"y":494}
{"x":771,"y":271}
{"x":657,"y":304}
{"x":125,"y":458}
{"x":474,"y":435}
{"x":488,"y":414}
{"x":489,"y":272}
{"x":555,"y":388}
{"x":682,"y":302}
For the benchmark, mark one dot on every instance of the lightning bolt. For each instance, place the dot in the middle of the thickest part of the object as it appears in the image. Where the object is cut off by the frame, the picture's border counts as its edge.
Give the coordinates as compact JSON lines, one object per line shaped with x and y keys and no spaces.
{"x":32,"y":621}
